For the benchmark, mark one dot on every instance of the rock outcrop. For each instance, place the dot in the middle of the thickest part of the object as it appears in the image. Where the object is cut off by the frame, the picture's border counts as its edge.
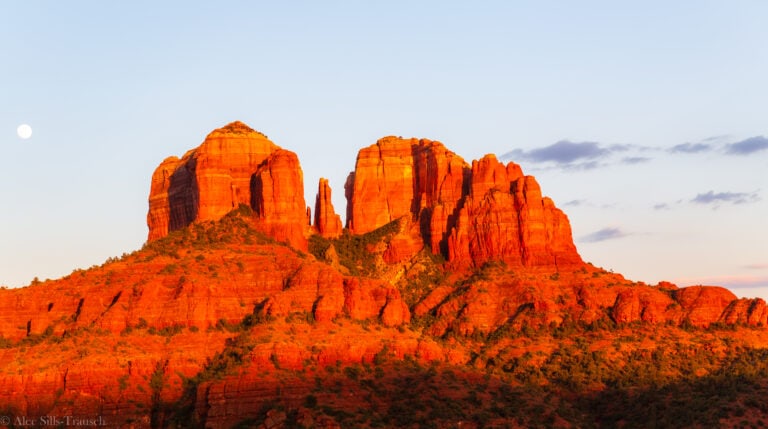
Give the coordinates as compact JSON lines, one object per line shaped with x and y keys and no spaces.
{"x":208,"y":181}
{"x":234,"y":165}
{"x":704,"y":304}
{"x":469,"y":214}
{"x":277,"y":197}
{"x":211,"y":320}
{"x":327,"y":222}
{"x":489,"y":211}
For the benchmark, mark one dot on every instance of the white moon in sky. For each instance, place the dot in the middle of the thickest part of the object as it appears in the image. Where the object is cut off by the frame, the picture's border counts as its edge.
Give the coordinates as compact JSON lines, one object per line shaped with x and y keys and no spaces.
{"x":24,"y":131}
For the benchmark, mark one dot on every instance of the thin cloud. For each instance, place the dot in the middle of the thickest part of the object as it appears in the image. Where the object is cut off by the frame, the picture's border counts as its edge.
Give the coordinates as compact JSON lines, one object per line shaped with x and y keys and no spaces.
{"x":623,"y":147}
{"x":691,"y":148}
{"x":583,"y":166}
{"x":661,"y":206}
{"x":635,"y":160}
{"x":720,"y":138}
{"x":562,"y":152}
{"x":748,"y":146}
{"x":757,"y":266}
{"x":712,"y":197}
{"x":603,"y":235}
{"x":575,"y":203}
{"x":582,"y":156}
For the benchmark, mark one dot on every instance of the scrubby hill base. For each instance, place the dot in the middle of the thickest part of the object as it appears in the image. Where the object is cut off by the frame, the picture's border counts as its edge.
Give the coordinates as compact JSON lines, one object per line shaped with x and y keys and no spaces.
{"x":218,"y":325}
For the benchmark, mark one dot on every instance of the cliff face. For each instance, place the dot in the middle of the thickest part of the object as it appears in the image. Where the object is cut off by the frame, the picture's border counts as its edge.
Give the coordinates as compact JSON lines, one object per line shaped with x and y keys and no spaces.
{"x":277,"y":197}
{"x":203,"y":321}
{"x":470,"y":214}
{"x":92,"y":342}
{"x":234,"y":165}
{"x":208,"y":181}
{"x":505,"y":217}
{"x":489,"y":211}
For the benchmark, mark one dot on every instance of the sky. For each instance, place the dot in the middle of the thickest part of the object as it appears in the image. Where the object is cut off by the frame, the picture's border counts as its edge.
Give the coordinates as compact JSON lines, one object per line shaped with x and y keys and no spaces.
{"x":644,"y":121}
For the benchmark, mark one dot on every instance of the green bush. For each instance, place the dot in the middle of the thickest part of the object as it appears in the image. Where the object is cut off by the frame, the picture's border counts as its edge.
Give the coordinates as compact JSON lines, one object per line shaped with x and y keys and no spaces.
{"x":353,"y":250}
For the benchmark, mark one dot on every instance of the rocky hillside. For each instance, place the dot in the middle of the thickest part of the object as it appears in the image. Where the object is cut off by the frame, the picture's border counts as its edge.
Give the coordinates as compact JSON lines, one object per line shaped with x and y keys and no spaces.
{"x":454,"y":296}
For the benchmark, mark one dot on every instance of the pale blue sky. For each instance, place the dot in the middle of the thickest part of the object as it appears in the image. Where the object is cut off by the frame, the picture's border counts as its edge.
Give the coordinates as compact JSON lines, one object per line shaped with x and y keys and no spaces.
{"x":110,"y":90}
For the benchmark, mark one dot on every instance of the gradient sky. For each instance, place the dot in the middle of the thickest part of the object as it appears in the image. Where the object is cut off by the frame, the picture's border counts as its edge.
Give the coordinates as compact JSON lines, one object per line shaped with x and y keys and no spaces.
{"x":645,"y":122}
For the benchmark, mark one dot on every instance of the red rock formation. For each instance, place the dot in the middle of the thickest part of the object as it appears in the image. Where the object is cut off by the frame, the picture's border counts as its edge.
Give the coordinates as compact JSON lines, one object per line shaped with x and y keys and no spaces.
{"x":208,"y":181}
{"x":746,"y":311}
{"x":472,"y":215}
{"x":506,"y":218}
{"x":100,"y":341}
{"x":327,"y":222}
{"x":703,"y":304}
{"x":234,"y":165}
{"x":643,"y":304}
{"x":397,"y":177}
{"x":405,"y":243}
{"x":316,"y":288}
{"x":277,"y":197}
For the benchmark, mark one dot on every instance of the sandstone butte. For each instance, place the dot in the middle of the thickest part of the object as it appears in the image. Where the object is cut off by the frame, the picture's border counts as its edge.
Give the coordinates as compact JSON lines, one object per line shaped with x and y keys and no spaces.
{"x":232,"y":244}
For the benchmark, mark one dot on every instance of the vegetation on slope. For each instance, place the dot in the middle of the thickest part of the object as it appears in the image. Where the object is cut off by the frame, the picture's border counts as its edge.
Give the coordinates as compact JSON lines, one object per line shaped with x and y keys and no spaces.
{"x":567,"y":374}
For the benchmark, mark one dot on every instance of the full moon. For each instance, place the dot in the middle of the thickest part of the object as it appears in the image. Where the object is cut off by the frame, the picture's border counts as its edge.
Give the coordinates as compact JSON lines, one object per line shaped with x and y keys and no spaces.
{"x":24,"y":131}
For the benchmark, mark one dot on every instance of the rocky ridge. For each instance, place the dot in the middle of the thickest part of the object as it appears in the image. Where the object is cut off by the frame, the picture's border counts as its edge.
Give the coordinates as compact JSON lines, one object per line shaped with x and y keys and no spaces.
{"x":441,"y":261}
{"x":471,"y":214}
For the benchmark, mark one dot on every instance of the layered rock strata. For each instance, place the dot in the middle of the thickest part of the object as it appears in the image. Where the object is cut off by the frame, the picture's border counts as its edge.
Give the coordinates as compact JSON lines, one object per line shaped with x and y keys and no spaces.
{"x":234,"y":165}
{"x":470,"y":214}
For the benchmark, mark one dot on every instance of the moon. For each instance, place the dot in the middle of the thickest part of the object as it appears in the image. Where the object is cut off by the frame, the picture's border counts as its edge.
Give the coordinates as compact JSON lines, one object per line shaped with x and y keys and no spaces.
{"x":24,"y":131}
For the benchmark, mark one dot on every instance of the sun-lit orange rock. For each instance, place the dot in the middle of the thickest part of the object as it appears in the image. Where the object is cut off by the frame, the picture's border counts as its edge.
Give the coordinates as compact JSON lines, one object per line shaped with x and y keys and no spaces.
{"x":396,"y":177}
{"x":703,"y":304}
{"x":122,"y":340}
{"x":327,"y":222}
{"x":234,"y":165}
{"x":277,"y":197}
{"x":636,"y":304}
{"x":208,"y":181}
{"x":745,"y":311}
{"x":506,"y":218}
{"x":489,"y":211}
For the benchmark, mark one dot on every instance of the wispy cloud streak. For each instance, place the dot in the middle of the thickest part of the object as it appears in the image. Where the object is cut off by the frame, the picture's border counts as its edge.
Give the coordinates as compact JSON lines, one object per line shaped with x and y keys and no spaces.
{"x":748,"y":146}
{"x":713,"y":197}
{"x":690,"y":148}
{"x":603,"y":235}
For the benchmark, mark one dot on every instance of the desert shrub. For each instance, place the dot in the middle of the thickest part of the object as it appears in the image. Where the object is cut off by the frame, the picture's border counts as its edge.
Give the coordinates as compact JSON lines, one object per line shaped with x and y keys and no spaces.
{"x":352,"y":372}
{"x":310,"y":401}
{"x":167,"y":331}
{"x":300,"y":317}
{"x":169,"y":269}
{"x":354,"y":250}
{"x":417,"y":287}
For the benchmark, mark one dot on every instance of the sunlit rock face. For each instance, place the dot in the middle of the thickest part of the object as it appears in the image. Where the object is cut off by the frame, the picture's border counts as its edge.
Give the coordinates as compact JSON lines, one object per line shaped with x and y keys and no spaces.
{"x":327,"y":222}
{"x":234,"y":165}
{"x":208,"y":181}
{"x":470,"y":213}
